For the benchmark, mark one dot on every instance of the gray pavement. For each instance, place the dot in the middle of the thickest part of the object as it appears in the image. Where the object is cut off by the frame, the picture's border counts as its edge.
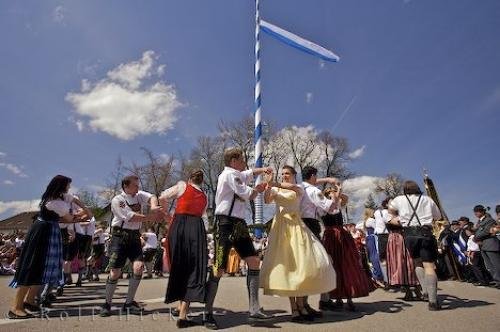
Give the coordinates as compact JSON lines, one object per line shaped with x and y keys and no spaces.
{"x":466,"y":308}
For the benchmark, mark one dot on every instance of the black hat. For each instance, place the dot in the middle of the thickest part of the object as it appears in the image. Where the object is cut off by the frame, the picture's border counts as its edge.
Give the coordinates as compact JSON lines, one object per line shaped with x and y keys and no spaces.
{"x":454,"y":222}
{"x":463,"y":219}
{"x":479,"y":208}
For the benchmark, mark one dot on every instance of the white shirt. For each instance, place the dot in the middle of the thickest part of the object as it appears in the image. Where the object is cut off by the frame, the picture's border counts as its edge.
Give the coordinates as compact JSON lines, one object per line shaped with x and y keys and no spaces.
{"x":122,"y":211}
{"x":90,"y":228}
{"x":151,"y":241}
{"x":232,"y":182}
{"x":370,"y":223}
{"x":313,"y":203}
{"x":18,"y":242}
{"x":427,"y":210}
{"x":471,"y":245}
{"x":381,"y":218}
{"x":178,"y":190}
{"x":61,"y":207}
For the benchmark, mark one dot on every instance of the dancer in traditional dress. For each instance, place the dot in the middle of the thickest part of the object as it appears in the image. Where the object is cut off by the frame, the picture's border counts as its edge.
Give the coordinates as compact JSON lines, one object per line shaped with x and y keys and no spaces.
{"x":126,"y":241}
{"x":296,"y":263}
{"x":41,"y":258}
{"x":231,"y":230}
{"x":416,"y":214}
{"x":352,"y":281}
{"x":400,"y":265}
{"x":188,"y":245}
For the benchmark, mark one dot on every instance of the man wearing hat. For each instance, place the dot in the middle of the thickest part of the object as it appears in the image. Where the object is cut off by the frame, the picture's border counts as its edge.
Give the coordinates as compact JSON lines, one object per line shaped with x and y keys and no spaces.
{"x":488,"y":242}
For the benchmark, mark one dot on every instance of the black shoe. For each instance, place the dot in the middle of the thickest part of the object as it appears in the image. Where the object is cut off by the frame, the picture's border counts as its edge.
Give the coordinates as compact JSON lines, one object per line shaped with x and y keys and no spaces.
{"x":174,"y":312}
{"x":434,"y":306}
{"x":60,"y":291}
{"x":147,"y":277}
{"x":259,"y":316}
{"x":105,"y":310}
{"x":307,"y":317}
{"x":312,"y":312}
{"x":133,"y":308}
{"x":210,"y":323}
{"x":328,"y":306}
{"x":12,"y":315}
{"x":95,"y":279}
{"x":183,"y":323}
{"x":51,"y":297}
{"x":45,"y":303}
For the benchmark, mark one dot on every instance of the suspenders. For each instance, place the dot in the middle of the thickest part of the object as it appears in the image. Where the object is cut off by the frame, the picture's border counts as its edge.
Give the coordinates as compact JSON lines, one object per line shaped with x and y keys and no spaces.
{"x":414,"y":208}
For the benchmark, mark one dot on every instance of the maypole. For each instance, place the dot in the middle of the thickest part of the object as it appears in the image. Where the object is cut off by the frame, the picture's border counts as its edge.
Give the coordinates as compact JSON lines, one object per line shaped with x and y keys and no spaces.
{"x":258,"y":117}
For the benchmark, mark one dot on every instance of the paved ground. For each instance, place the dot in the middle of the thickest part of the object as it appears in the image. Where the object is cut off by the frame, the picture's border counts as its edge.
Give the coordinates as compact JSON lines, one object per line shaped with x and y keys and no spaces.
{"x":467,"y":308}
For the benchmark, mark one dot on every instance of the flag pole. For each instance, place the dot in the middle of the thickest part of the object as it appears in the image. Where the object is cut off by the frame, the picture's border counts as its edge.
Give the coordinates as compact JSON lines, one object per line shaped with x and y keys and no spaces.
{"x":258,"y":116}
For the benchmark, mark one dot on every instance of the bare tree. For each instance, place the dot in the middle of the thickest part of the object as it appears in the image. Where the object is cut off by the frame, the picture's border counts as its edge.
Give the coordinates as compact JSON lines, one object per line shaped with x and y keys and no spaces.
{"x":302,"y":144}
{"x":334,"y":155}
{"x":240,"y":134}
{"x":208,"y":154}
{"x":391,"y":186}
{"x":113,"y":182}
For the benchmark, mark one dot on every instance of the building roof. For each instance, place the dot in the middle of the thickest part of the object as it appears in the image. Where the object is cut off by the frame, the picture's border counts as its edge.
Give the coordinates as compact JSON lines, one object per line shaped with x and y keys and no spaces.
{"x":23,"y":221}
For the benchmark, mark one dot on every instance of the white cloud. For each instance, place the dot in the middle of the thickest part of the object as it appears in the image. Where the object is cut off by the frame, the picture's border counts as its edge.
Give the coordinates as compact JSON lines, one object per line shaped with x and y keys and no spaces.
{"x":309,"y":97}
{"x":14,"y":207}
{"x":8,"y":182}
{"x":123,"y":105}
{"x":2,"y":154}
{"x":358,"y":189}
{"x":14,"y":169}
{"x":80,"y":125}
{"x":358,"y":153}
{"x":58,"y":14}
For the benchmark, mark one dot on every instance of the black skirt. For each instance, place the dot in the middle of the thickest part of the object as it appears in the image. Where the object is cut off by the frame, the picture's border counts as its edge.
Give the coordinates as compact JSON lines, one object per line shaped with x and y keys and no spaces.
{"x":189,"y":258}
{"x":31,"y":264}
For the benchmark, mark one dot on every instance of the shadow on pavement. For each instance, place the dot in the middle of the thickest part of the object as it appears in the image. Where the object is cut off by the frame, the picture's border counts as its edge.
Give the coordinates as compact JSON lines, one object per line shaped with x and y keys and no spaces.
{"x":450,"y":302}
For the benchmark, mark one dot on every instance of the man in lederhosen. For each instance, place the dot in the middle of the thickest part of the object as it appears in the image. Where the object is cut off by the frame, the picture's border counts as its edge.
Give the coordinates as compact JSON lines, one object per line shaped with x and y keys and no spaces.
{"x":313,"y":206}
{"x":231,"y":230}
{"x":416,"y":213}
{"x":126,"y":240}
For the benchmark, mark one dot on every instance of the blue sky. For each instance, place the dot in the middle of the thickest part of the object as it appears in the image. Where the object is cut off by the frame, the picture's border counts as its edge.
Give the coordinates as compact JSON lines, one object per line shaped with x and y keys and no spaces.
{"x":422,"y":79}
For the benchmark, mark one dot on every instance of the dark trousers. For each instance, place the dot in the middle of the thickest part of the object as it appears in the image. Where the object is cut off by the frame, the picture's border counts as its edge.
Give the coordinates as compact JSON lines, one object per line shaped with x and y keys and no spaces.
{"x":492,"y":263}
{"x":477,"y":268}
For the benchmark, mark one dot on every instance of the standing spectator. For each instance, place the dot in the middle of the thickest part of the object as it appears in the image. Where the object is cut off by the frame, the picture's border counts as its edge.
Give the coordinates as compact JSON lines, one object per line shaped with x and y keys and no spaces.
{"x":149,"y":250}
{"x":474,"y":259}
{"x":488,"y":242}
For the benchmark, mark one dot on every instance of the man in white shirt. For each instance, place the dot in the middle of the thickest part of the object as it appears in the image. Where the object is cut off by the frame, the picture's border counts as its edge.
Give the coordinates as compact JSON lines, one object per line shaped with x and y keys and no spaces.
{"x":313,"y":206}
{"x":149,"y":250}
{"x":231,"y":199}
{"x":416,"y":214}
{"x":125,"y":240}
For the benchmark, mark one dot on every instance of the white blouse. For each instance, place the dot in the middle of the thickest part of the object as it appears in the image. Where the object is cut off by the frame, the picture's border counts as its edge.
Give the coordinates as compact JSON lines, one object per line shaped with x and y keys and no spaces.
{"x":61,"y":207}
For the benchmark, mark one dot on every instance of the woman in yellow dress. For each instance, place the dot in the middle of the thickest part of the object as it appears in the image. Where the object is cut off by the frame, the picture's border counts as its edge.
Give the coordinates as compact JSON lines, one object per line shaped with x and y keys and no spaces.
{"x":295,"y":264}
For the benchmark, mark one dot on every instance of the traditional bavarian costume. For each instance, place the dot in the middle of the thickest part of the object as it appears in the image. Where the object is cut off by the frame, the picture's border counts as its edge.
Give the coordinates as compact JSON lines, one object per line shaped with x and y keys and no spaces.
{"x":188,"y":244}
{"x":125,"y":235}
{"x":352,"y":281}
{"x":41,"y":258}
{"x":313,"y":206}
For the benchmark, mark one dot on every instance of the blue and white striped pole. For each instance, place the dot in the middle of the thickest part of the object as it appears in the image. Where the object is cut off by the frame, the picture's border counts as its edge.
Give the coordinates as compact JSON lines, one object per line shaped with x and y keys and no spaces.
{"x":258,"y":119}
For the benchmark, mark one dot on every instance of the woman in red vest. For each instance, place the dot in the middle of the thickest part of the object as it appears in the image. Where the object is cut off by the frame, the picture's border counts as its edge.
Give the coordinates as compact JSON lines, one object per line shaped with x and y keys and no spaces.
{"x":188,"y":245}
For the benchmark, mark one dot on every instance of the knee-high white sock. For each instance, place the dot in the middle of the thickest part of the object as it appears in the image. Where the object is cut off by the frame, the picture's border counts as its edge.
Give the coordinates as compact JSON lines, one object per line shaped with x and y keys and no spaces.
{"x":253,"y":290}
{"x":431,"y":282}
{"x":420,"y":272}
